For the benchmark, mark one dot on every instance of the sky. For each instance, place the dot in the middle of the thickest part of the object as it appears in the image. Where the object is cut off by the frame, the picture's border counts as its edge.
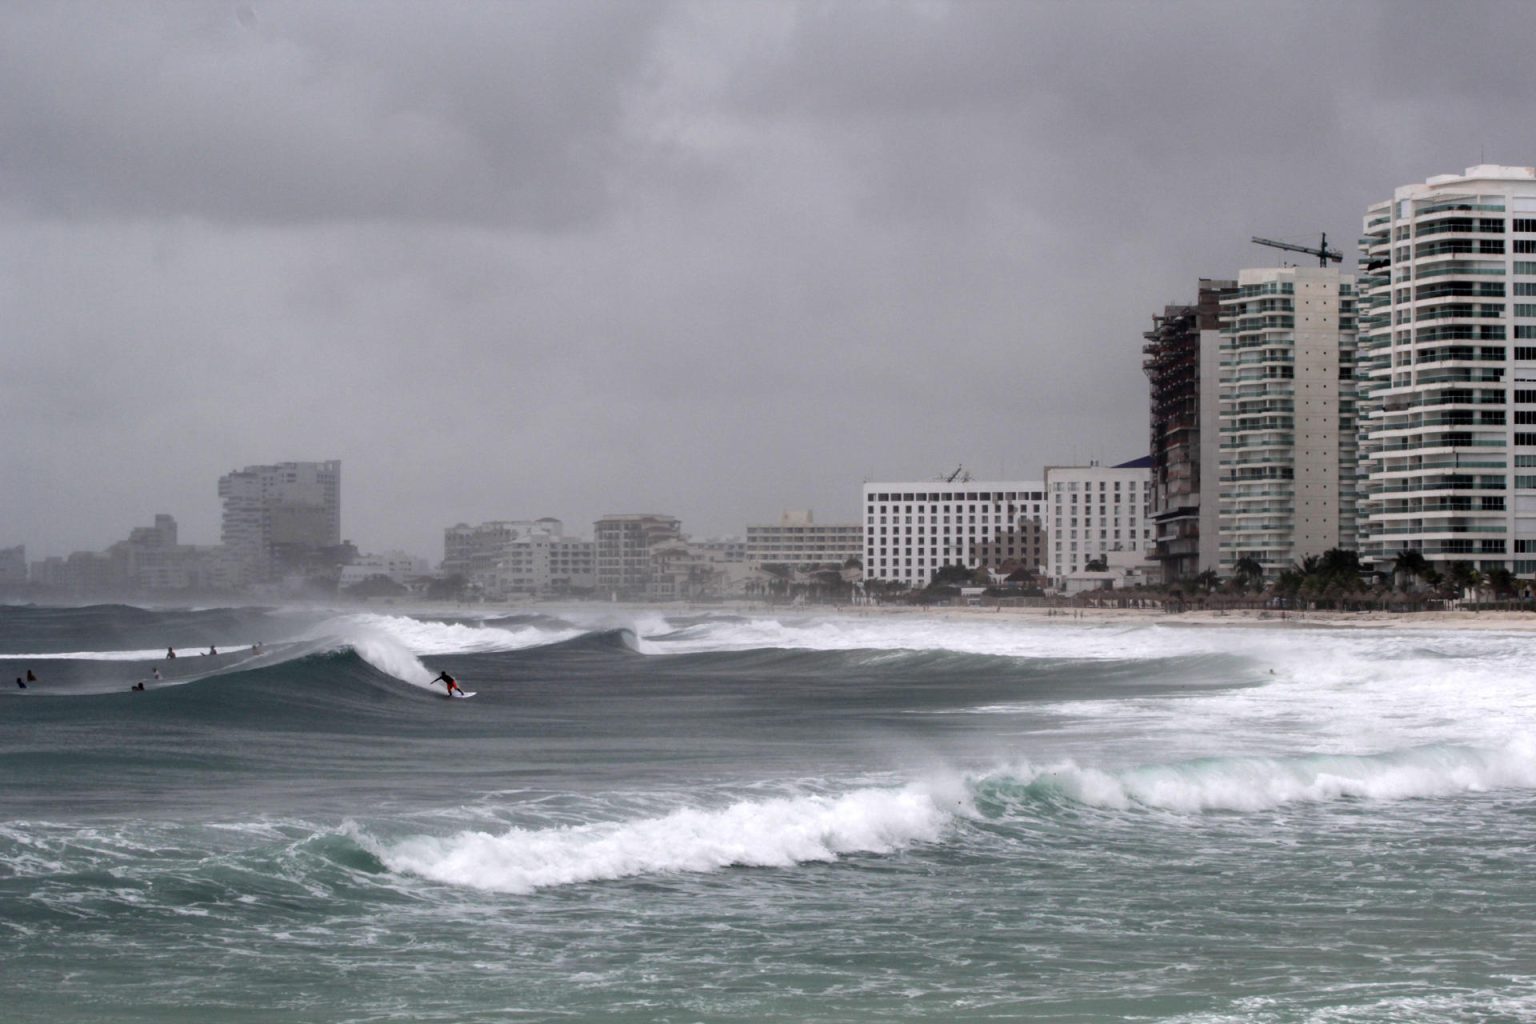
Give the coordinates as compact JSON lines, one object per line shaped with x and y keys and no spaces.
{"x":715,"y":260}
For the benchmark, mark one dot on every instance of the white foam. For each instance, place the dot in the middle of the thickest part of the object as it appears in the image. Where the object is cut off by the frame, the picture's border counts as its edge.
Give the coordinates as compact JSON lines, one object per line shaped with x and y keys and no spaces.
{"x":391,"y":658}
{"x":1348,"y":692}
{"x":394,"y":644}
{"x":765,"y":833}
{"x":437,"y":638}
{"x":880,"y":632}
{"x":1260,"y":783}
{"x":151,"y":654}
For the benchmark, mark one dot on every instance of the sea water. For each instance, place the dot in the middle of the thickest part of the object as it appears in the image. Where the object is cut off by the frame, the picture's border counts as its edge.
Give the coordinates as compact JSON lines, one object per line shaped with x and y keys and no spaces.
{"x":658,"y":816}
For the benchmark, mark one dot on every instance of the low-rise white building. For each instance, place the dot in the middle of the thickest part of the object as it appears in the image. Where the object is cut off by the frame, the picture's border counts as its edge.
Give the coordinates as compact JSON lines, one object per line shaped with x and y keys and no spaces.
{"x":914,"y":528}
{"x":623,"y":551}
{"x":682,"y":570}
{"x":392,"y":565}
{"x":520,"y":557}
{"x":470,"y":551}
{"x":797,"y":539}
{"x":545,"y":564}
{"x":1100,"y":513}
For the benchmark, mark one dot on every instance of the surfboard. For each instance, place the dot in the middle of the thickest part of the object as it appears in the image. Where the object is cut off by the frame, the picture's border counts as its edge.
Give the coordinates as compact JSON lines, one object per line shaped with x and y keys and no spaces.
{"x":460,"y":694}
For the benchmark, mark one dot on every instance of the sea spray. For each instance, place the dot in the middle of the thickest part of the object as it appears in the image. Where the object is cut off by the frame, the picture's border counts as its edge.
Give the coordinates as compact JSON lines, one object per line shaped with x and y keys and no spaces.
{"x":1247,"y":784}
{"x":777,"y":833}
{"x":429,"y":637}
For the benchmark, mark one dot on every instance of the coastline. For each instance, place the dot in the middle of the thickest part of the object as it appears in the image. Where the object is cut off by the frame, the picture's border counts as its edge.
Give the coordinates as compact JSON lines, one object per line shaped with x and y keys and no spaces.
{"x":1490,"y":620}
{"x":1512,"y":621}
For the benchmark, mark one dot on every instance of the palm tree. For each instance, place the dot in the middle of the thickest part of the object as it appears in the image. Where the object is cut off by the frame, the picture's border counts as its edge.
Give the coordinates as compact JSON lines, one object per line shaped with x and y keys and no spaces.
{"x":1463,"y":576}
{"x":1288,"y":582}
{"x":1409,"y":565}
{"x":1207,"y":580}
{"x":1502,"y":581}
{"x":1248,"y":572}
{"x":1342,"y":563}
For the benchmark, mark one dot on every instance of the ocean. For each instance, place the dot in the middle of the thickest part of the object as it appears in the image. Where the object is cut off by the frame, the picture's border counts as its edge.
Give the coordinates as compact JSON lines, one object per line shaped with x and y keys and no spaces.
{"x":665,"y":816}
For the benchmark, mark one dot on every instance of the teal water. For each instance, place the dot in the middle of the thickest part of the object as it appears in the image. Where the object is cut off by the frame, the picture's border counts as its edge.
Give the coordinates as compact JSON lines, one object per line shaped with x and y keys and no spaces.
{"x":646,"y":816}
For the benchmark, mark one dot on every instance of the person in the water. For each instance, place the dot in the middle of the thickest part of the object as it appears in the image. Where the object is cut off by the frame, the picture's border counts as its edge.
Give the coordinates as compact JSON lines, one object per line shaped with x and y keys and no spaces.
{"x":19,"y":684}
{"x":450,"y":682}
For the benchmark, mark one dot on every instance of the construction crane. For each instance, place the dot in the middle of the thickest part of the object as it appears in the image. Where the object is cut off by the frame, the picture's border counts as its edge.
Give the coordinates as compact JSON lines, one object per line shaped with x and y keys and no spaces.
{"x":1322,"y":252}
{"x":958,"y":470}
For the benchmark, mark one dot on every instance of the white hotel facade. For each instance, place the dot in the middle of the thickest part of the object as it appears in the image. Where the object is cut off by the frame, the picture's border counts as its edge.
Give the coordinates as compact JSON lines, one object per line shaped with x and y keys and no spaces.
{"x":1447,"y":369}
{"x":1100,"y":513}
{"x":914,"y":528}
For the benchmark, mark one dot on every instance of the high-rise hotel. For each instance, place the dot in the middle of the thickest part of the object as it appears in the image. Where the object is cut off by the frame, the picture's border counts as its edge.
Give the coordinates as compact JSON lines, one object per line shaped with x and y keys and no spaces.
{"x":1447,"y":368}
{"x":1287,"y":416}
{"x":278,"y":517}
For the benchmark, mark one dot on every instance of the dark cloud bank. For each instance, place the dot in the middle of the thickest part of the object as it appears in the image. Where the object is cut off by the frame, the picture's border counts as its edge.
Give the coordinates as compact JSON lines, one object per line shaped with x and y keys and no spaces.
{"x":510,"y":260}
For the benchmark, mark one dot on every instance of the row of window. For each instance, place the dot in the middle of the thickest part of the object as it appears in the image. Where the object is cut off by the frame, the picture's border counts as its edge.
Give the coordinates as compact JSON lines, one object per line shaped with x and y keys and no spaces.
{"x":968,"y":496}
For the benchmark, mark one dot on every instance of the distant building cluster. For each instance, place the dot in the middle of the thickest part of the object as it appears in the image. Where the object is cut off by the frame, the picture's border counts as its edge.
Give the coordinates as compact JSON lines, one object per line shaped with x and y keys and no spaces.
{"x":1293,"y":410}
{"x":1299,"y":409}
{"x":281,"y":530}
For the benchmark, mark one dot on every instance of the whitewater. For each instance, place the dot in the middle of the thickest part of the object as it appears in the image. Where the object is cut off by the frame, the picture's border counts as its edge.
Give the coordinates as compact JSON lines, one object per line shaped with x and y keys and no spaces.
{"x":659,"y":815}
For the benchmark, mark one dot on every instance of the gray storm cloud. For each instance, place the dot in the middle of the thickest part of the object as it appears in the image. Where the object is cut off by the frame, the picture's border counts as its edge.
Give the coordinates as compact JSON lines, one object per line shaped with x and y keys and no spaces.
{"x":509,"y":260}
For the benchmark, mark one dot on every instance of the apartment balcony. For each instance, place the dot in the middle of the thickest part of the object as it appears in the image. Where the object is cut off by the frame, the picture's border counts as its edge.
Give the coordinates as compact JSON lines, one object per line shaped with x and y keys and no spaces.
{"x":1451,"y":398}
{"x":1454,"y":225}
{"x":1456,"y":312}
{"x":1259,"y":491}
{"x":1445,"y":505}
{"x":1458,"y":269}
{"x":1420,"y":466}
{"x":1458,"y":376}
{"x":1441,"y":485}
{"x":1435,"y":531}
{"x":1452,"y":207}
{"x":1488,"y":248}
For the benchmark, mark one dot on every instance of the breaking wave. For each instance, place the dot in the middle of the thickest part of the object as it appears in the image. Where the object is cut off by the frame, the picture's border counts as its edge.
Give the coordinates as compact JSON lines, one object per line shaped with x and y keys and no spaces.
{"x":776,"y":833}
{"x":787,"y":831}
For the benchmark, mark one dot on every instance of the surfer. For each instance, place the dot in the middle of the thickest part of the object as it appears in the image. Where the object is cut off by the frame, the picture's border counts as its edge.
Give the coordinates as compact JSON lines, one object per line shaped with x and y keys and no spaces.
{"x":136,"y":687}
{"x":19,"y":684}
{"x":448,"y":681}
{"x":170,"y":652}
{"x":30,"y":677}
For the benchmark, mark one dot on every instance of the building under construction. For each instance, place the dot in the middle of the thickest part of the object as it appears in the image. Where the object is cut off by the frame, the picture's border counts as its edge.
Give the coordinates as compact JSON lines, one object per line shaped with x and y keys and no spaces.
{"x":1182,"y":360}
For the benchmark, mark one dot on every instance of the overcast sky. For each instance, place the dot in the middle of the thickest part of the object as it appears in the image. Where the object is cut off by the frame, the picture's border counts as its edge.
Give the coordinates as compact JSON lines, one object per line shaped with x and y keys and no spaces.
{"x":510,"y":260}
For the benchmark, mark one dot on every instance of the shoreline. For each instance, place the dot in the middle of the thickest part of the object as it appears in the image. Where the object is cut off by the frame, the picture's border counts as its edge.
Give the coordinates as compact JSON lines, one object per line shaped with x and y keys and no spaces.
{"x":1491,"y":620}
{"x":1513,"y":621}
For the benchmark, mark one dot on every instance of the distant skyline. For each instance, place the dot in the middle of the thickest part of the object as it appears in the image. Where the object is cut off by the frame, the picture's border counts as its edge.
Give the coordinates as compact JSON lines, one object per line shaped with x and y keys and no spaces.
{"x":714,"y":260}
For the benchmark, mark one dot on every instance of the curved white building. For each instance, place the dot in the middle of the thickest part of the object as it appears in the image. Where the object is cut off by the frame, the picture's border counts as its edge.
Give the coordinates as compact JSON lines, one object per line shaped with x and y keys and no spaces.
{"x":1448,"y":370}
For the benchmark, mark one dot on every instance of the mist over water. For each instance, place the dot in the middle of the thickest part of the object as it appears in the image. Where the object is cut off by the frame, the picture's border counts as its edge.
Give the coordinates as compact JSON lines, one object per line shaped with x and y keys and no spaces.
{"x":647,"y":815}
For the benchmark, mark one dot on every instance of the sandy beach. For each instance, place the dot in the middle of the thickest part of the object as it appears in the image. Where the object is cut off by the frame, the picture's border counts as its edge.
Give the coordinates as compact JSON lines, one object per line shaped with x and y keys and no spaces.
{"x":1249,"y":617}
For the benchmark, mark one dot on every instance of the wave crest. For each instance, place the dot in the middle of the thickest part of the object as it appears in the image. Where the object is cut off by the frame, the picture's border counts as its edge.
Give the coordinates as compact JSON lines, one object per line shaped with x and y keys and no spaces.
{"x":1247,"y":784}
{"x":775,"y":833}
